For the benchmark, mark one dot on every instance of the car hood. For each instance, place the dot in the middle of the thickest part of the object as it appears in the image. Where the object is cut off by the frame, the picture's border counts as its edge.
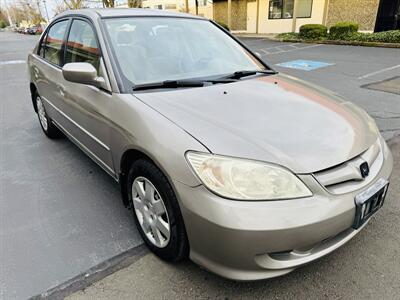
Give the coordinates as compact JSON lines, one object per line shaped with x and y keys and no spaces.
{"x":277,"y":119}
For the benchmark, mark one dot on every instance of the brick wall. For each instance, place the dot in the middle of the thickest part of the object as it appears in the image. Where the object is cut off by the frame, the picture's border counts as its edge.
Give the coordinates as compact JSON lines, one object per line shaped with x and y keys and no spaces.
{"x":361,"y":11}
{"x":239,"y":13}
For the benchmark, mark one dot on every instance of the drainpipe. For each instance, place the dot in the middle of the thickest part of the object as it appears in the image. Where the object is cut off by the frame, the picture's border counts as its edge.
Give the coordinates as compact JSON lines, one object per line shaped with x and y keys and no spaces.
{"x":325,"y":15}
{"x":295,"y":9}
{"x":229,"y":14}
{"x":187,"y":6}
{"x":257,"y":14}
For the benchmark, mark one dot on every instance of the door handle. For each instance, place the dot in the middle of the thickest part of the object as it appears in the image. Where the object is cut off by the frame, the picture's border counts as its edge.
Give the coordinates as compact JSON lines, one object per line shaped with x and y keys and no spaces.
{"x":61,"y":89}
{"x":36,"y":72}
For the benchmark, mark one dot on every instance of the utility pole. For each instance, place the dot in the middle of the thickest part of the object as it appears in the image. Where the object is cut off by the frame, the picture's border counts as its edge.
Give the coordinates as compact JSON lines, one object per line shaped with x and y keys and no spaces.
{"x":10,"y":21}
{"x":47,"y":13}
{"x":187,"y":6}
{"x":38,"y":7}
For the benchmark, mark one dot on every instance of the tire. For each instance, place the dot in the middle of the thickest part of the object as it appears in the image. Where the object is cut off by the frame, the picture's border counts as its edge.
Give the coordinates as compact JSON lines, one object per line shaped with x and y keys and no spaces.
{"x":145,"y":174}
{"x":49,"y":129}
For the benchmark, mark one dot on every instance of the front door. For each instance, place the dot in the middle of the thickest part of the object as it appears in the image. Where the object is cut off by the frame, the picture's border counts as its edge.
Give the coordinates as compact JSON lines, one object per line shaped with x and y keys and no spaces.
{"x":388,"y":15}
{"x":87,"y":107}
{"x":252,"y":17}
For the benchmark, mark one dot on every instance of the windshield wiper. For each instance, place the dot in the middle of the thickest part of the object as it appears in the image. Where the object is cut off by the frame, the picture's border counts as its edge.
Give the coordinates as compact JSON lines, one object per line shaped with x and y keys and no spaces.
{"x":244,"y":73}
{"x":166,"y":84}
{"x":169,"y":84}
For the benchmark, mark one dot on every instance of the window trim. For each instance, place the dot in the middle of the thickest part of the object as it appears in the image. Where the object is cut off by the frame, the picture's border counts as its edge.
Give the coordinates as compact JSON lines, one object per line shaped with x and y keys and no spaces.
{"x":291,"y":18}
{"x":43,"y":39}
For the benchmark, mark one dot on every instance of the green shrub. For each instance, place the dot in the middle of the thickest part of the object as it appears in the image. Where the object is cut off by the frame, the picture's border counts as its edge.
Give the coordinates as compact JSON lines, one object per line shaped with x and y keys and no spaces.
{"x":341,"y":29}
{"x":288,"y":36}
{"x":223,"y":25}
{"x":313,"y":31}
{"x":3,"y":24}
{"x":392,"y":36}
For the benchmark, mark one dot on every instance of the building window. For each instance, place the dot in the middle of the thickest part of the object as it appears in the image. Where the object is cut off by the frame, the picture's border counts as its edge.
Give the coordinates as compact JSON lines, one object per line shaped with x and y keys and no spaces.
{"x":283,"y":9}
{"x":170,"y":6}
{"x":304,"y":8}
{"x":159,"y":6}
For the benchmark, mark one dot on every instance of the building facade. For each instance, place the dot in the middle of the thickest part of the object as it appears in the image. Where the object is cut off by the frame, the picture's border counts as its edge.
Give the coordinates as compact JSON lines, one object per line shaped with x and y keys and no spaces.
{"x":204,"y":7}
{"x":276,"y":16}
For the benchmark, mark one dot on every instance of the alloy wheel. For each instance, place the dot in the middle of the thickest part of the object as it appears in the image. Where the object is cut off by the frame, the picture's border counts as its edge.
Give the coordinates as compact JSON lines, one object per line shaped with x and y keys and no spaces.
{"x":41,"y":113}
{"x":151,"y":212}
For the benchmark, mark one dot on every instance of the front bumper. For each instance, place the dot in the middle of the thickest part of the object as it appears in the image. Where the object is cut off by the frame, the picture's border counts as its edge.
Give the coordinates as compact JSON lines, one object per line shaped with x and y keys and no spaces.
{"x":250,"y":240}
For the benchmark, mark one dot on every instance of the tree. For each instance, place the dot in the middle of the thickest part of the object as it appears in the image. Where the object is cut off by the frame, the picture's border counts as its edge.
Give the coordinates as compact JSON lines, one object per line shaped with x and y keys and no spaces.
{"x":3,"y":23}
{"x":135,"y":3}
{"x":60,"y":8}
{"x":3,"y":20}
{"x":74,"y":4}
{"x":108,"y":3}
{"x":23,"y":10}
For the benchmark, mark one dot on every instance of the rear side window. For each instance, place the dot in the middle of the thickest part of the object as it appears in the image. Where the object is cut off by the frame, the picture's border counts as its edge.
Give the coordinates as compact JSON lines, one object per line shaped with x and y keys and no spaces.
{"x":52,"y":50}
{"x":82,"y":44}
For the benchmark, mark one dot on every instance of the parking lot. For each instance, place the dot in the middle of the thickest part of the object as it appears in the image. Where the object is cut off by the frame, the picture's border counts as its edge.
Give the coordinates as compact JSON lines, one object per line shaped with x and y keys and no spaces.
{"x":61,"y":215}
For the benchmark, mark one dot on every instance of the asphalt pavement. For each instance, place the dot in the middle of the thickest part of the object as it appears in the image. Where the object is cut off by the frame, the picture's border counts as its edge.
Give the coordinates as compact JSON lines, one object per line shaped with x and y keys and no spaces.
{"x":61,"y":215}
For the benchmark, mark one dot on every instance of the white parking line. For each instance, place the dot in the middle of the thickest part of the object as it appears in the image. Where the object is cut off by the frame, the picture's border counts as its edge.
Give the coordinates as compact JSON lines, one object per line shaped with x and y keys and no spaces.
{"x":378,"y":72}
{"x":12,"y":62}
{"x":268,"y":51}
{"x":292,"y":45}
{"x":264,"y":51}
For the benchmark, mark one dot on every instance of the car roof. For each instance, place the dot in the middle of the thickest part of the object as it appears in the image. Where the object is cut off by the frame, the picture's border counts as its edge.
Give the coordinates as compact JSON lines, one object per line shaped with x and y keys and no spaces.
{"x":126,"y":12}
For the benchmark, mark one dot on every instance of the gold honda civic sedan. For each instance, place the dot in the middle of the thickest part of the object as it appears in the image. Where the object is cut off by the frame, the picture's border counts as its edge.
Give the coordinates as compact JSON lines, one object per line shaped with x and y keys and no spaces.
{"x":248,"y":172}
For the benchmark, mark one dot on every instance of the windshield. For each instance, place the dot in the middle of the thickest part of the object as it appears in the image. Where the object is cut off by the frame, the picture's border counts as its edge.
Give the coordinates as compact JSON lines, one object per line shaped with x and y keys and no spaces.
{"x":154,"y":49}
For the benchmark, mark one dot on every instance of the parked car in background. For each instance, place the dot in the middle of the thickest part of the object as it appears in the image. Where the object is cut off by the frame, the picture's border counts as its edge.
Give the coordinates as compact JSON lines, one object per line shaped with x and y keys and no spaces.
{"x":248,"y":172}
{"x":37,"y":29}
{"x":20,"y":29}
{"x":31,"y":30}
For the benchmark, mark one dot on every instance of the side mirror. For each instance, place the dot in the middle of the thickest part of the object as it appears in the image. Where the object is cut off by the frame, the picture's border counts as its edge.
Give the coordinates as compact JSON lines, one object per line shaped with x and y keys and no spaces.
{"x":83,"y":73}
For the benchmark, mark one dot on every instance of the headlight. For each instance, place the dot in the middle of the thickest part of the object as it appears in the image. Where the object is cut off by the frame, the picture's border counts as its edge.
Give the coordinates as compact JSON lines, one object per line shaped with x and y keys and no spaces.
{"x":244,"y":179}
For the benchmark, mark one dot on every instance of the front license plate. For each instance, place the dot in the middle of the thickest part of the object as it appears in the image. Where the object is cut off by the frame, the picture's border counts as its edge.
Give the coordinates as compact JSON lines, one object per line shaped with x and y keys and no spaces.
{"x":369,"y":201}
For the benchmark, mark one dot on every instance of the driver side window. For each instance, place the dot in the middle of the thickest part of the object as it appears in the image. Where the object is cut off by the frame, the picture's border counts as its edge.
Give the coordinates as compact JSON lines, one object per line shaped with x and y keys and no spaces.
{"x":82,"y":44}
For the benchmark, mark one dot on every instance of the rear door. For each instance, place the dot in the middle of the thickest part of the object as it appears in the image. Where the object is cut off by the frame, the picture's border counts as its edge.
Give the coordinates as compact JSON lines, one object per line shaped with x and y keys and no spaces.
{"x":47,"y":68}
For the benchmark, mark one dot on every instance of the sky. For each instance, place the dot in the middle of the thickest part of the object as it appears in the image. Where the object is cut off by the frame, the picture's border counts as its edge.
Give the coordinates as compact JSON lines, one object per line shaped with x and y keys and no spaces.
{"x":52,"y":4}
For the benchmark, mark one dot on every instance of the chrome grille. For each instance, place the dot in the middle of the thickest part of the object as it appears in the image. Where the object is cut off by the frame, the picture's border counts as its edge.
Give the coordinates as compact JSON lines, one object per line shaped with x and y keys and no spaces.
{"x":347,"y":177}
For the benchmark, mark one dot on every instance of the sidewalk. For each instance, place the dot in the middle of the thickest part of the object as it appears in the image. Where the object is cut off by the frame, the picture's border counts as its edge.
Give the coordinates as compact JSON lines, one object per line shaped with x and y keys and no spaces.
{"x":271,"y":36}
{"x":367,"y":267}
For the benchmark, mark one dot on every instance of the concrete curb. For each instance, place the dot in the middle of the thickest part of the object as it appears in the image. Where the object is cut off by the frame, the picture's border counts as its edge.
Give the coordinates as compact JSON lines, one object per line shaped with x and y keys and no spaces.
{"x":326,"y":42}
{"x":250,"y":35}
{"x":393,"y":141}
{"x":94,"y":274}
{"x":342,"y":43}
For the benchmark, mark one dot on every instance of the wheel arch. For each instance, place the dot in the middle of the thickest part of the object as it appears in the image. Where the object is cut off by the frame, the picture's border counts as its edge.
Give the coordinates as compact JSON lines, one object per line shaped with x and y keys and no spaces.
{"x":127,"y":159}
{"x":33,"y":90}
